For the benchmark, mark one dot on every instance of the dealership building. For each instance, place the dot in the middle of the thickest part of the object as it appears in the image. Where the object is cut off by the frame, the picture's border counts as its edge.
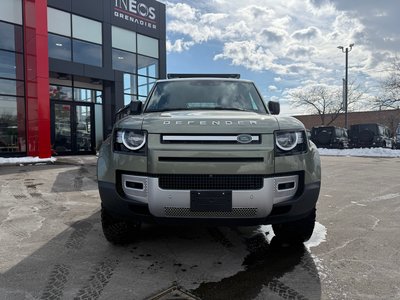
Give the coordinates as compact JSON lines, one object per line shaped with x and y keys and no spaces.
{"x":67,"y":66}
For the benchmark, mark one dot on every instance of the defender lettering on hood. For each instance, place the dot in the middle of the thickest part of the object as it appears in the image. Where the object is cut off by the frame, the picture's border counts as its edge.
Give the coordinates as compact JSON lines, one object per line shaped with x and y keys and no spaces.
{"x":212,"y":123}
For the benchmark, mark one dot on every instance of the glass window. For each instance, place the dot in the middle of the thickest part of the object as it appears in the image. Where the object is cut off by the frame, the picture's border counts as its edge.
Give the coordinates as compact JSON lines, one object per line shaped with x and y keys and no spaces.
{"x":86,"y":29}
{"x":12,"y":124}
{"x":84,"y":128}
{"x":11,"y":11}
{"x":98,"y":120}
{"x":124,"y":61}
{"x":123,"y":39}
{"x":88,"y":83}
{"x":12,"y":87}
{"x":145,"y":84}
{"x":11,"y":65}
{"x":99,"y":97}
{"x":58,"y":21}
{"x":87,"y":53}
{"x":129,"y":84}
{"x":60,"y":79}
{"x":11,"y":37}
{"x":129,"y":98}
{"x":57,"y":92}
{"x":62,"y":128}
{"x":85,"y":95}
{"x":147,"y":46}
{"x":147,"y":66}
{"x":59,"y":47}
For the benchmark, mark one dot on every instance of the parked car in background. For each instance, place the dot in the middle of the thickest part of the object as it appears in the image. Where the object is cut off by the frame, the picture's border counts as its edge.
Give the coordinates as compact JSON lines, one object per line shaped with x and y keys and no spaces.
{"x":330,"y":137}
{"x":370,"y":135}
{"x":397,"y":138}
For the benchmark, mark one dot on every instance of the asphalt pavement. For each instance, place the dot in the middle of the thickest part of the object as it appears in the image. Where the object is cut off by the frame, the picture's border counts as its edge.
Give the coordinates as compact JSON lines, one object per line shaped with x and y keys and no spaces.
{"x":52,"y":246}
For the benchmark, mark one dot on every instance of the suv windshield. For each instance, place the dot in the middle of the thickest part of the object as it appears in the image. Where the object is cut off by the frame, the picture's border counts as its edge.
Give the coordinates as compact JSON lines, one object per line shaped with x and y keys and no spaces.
{"x":205,"y":95}
{"x":316,"y":130}
{"x":371,"y":127}
{"x":341,"y":132}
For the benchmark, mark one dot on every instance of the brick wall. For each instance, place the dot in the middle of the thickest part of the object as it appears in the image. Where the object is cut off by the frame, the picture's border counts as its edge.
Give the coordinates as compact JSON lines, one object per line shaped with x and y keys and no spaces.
{"x":390,"y":118}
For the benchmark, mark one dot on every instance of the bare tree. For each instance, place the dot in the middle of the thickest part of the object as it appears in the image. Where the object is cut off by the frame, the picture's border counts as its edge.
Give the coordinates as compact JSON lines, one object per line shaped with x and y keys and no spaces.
{"x":325,"y":101}
{"x":390,"y":97}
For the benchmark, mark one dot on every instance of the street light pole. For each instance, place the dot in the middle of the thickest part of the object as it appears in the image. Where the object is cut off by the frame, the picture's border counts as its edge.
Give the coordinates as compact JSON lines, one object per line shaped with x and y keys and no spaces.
{"x":345,"y":94}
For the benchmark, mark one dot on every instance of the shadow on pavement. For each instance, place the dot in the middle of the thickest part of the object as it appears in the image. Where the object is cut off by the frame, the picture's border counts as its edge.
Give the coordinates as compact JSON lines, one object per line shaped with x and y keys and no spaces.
{"x":212,"y":263}
{"x":266,"y":263}
{"x":80,"y":178}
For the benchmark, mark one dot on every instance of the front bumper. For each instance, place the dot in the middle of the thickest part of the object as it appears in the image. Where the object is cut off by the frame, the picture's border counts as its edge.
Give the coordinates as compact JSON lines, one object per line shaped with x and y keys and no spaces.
{"x":281,"y":198}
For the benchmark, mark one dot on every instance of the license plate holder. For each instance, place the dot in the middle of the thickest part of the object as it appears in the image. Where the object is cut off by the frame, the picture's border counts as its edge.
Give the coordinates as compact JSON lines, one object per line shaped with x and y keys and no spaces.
{"x":208,"y":201}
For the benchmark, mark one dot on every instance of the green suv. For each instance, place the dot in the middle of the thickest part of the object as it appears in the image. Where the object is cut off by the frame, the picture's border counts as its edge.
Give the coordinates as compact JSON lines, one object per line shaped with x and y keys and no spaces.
{"x":204,"y":149}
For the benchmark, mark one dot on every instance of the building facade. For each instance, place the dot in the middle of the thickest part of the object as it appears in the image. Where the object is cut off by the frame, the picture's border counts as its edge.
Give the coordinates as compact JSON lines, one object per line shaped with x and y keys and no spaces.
{"x":67,"y":66}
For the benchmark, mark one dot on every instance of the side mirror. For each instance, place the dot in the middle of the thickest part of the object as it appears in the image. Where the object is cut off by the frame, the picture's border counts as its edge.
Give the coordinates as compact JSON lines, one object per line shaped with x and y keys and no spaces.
{"x":274,"y":107}
{"x":135,"y":107}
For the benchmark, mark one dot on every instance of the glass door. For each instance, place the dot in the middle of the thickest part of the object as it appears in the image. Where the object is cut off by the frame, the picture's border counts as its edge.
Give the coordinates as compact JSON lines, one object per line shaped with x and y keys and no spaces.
{"x":62,"y":128}
{"x":83,"y":133}
{"x":72,"y":130}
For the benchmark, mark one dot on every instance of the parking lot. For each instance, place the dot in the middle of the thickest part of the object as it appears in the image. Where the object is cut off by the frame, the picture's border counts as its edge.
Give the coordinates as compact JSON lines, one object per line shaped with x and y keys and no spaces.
{"x":52,"y":245}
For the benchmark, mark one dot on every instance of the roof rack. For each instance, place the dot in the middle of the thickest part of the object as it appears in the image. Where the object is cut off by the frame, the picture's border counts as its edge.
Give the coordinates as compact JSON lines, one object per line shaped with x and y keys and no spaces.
{"x":232,"y":76}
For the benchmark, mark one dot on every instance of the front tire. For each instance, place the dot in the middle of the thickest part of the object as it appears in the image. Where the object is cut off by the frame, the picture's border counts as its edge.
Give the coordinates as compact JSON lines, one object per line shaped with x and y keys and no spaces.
{"x":117,"y":231}
{"x":297,"y":231}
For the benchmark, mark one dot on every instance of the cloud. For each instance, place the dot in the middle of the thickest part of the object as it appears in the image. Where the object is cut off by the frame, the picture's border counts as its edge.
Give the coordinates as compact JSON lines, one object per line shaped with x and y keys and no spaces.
{"x":272,"y":88}
{"x":212,"y":18}
{"x":306,"y":34}
{"x":274,"y":98}
{"x":178,"y":46}
{"x":272,"y":35}
{"x":298,"y":52}
{"x":247,"y":53}
{"x":257,"y":12}
{"x":181,"y":11}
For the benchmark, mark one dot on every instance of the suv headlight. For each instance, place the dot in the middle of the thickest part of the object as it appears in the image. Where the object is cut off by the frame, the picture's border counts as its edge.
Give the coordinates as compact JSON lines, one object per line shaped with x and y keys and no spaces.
{"x":290,"y":142}
{"x":127,"y":139}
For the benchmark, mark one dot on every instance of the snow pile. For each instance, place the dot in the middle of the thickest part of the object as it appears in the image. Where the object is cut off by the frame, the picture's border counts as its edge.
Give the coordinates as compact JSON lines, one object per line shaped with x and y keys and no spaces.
{"x":25,"y":160}
{"x":318,"y":236}
{"x":371,"y":152}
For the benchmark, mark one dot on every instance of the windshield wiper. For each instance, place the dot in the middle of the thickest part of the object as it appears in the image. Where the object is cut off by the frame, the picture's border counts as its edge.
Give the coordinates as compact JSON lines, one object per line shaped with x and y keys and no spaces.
{"x":230,"y":108}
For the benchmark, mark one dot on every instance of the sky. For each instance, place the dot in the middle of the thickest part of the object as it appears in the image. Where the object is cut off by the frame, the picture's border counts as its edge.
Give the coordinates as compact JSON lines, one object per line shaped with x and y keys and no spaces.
{"x":285,"y":46}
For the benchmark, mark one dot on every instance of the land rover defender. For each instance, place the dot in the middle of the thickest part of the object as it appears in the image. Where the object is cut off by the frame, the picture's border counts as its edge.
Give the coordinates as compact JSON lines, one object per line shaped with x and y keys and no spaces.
{"x":207,"y":150}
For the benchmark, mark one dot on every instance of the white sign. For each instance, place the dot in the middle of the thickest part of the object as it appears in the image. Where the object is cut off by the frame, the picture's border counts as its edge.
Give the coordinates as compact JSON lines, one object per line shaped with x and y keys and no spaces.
{"x":137,"y":12}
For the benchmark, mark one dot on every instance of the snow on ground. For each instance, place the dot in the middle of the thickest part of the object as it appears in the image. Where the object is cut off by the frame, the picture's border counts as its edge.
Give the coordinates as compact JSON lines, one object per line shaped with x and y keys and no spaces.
{"x":25,"y":160}
{"x":370,"y":152}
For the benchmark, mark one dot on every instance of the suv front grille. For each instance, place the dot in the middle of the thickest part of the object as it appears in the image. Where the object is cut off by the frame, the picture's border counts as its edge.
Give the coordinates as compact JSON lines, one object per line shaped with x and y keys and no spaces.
{"x":211,"y":182}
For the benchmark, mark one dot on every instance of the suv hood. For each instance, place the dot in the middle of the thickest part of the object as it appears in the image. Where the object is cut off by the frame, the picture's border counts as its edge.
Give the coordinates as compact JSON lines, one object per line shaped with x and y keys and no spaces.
{"x":209,"y":122}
